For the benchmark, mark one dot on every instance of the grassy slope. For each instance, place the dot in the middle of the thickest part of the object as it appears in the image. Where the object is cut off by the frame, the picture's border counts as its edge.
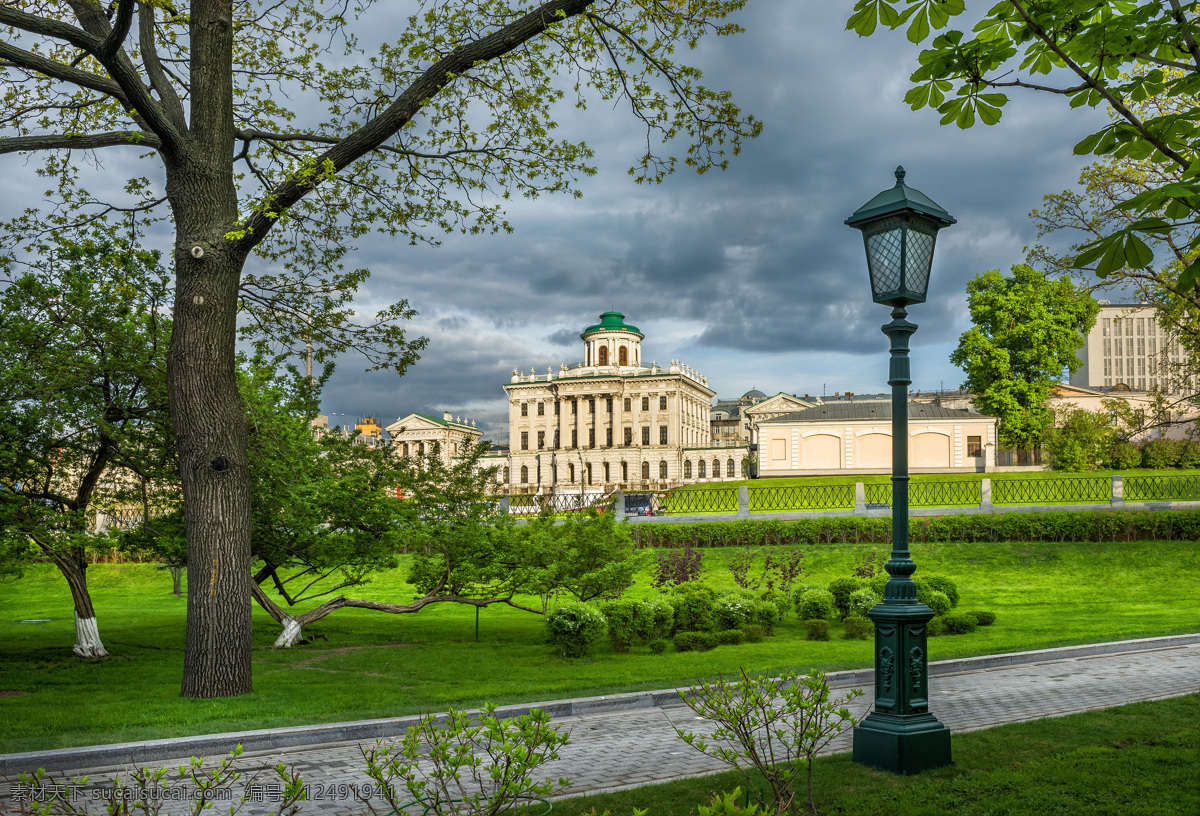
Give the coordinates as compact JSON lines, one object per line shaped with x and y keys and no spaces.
{"x":380,"y":665}
{"x":1135,"y":760}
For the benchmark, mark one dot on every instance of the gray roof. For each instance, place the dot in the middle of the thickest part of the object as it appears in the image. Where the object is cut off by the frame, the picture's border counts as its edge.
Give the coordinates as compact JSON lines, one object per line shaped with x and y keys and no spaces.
{"x":870,"y":410}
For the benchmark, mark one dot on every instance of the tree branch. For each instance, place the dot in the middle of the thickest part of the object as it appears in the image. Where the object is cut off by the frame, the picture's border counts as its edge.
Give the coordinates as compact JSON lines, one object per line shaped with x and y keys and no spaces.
{"x":108,"y":48}
{"x":56,"y":70}
{"x":55,"y":141}
{"x":154,"y":69}
{"x":45,"y":27}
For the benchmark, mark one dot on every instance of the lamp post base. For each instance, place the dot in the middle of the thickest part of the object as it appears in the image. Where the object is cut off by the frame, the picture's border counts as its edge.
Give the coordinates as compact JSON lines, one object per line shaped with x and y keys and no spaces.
{"x":902,"y":744}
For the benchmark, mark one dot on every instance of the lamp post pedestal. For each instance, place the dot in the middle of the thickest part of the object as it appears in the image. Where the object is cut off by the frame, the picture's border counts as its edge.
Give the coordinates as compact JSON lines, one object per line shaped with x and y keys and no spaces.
{"x":900,"y":735}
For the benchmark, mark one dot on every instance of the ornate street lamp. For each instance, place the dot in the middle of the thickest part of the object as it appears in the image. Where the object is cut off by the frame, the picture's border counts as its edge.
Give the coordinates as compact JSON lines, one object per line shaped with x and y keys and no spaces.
{"x":899,"y":227}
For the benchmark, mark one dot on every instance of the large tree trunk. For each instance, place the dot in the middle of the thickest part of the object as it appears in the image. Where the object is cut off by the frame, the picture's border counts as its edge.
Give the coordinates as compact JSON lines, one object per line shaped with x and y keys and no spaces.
{"x":73,"y":565}
{"x":206,"y":410}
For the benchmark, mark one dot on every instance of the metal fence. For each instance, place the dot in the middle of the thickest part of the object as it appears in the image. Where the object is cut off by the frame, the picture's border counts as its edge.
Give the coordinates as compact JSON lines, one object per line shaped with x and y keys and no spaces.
{"x":945,"y":494}
{"x":1084,"y":490}
{"x":1162,"y":488}
{"x":684,"y":502}
{"x":784,"y":499}
{"x":529,"y":504}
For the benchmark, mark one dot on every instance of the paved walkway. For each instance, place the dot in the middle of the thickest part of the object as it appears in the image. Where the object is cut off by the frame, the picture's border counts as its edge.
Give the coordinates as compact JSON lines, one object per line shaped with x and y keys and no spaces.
{"x":627,"y":746}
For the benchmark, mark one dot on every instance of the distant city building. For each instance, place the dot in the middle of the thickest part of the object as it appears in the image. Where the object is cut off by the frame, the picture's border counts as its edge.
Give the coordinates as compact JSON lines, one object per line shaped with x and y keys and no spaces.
{"x":1127,"y":350}
{"x":422,"y":434}
{"x":728,"y":422}
{"x":613,"y":421}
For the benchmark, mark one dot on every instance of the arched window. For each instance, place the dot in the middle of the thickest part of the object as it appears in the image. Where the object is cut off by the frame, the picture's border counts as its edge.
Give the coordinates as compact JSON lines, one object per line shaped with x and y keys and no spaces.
{"x":622,"y":356}
{"x":701,"y":469}
{"x":645,"y":471}
{"x":662,"y":469}
{"x":570,"y":473}
{"x":589,"y":472}
{"x":624,"y":471}
{"x":524,"y":474}
{"x":687,"y":469}
{"x":420,"y":448}
{"x":603,"y":356}
{"x":729,"y":468}
{"x":716,"y":468}
{"x":607,"y":480}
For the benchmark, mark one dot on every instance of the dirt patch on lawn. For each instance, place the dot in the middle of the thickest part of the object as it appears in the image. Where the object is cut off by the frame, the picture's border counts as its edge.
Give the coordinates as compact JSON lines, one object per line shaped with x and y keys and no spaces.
{"x":325,"y":654}
{"x":4,"y":693}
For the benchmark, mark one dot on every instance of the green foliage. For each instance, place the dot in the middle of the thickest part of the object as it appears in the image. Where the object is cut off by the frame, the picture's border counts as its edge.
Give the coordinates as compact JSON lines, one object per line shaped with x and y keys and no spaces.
{"x":1080,"y":440}
{"x":574,"y":628}
{"x":675,"y":567}
{"x":781,"y":600}
{"x":695,"y":641}
{"x":693,"y":606}
{"x":635,"y":622}
{"x":766,"y":615}
{"x":960,"y":623}
{"x":816,"y":604}
{"x":1189,"y":455}
{"x":842,"y":589}
{"x":726,"y":804}
{"x":1126,"y":455}
{"x":858,"y":628}
{"x":937,"y":601}
{"x":469,"y":762}
{"x":1160,"y":454}
{"x":730,"y":637}
{"x":861,"y":602}
{"x":817,"y":629}
{"x":588,"y":555}
{"x":658,"y":645}
{"x":732,"y":612}
{"x":981,"y":617}
{"x":1025,"y":333}
{"x":794,"y":715}
{"x":936,"y":627}
{"x":753,"y":632}
{"x":942,"y":584}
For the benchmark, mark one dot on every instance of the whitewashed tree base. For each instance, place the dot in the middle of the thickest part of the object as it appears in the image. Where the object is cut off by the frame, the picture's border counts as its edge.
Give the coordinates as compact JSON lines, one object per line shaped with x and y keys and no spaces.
{"x":290,"y":635}
{"x":87,"y":638}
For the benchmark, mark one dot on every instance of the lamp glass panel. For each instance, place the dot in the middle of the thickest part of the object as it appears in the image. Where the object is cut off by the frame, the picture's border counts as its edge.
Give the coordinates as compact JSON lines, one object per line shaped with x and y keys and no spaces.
{"x":919,"y":260}
{"x":884,"y":256}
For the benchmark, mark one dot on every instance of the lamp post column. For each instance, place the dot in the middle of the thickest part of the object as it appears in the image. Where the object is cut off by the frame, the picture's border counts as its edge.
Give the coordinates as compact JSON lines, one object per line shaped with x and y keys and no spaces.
{"x":900,"y":734}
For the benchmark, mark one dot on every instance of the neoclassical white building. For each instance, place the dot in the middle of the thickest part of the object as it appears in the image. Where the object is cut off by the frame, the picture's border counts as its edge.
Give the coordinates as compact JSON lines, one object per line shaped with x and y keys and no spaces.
{"x":421,"y":434}
{"x":613,"y":421}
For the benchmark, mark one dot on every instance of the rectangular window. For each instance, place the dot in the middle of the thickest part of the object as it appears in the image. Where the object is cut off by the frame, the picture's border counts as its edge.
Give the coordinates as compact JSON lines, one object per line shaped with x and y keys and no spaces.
{"x":1142,"y":365}
{"x":1142,"y":383}
{"x":646,"y":435}
{"x":645,"y":403}
{"x":609,"y":404}
{"x":1117,"y":327}
{"x":591,"y":406}
{"x":628,"y":402}
{"x":628,"y":437}
{"x":574,"y":438}
{"x":524,"y":440}
{"x":1106,"y":324}
{"x":1141,"y":346}
{"x":1128,"y":346}
{"x":1107,"y":347}
{"x":662,"y":434}
{"x":541,"y":409}
{"x":1120,"y":366}
{"x":1141,"y":326}
{"x":1107,"y":367}
{"x":541,"y":439}
{"x":1153,"y":346}
{"x":556,"y":438}
{"x":974,"y":448}
{"x":608,"y":437}
{"x":591,"y":437}
{"x":574,"y":407}
{"x":662,"y":403}
{"x":524,"y":409}
{"x":1129,"y":327}
{"x":557,"y":404}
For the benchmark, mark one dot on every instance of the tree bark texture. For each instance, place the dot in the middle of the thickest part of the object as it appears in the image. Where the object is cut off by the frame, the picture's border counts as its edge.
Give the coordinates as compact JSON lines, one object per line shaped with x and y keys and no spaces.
{"x":73,"y":566}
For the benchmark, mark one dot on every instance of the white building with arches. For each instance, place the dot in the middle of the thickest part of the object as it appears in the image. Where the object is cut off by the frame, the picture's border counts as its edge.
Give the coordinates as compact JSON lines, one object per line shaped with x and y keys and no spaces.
{"x":613,"y":421}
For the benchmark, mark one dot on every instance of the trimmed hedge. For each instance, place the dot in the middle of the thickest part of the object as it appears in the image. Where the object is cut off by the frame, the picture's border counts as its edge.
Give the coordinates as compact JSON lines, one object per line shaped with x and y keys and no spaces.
{"x":694,"y":642}
{"x":1049,"y":525}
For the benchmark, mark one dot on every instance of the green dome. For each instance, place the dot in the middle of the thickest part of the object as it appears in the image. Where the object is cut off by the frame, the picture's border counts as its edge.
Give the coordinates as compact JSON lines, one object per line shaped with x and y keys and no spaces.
{"x":612,"y":321}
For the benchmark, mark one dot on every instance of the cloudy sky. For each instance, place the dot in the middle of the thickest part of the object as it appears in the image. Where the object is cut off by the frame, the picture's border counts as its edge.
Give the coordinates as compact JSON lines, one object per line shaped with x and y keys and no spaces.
{"x":749,"y":275}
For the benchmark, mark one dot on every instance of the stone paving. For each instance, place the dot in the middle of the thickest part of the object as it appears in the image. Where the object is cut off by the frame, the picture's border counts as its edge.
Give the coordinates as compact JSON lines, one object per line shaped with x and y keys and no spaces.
{"x":622,"y":749}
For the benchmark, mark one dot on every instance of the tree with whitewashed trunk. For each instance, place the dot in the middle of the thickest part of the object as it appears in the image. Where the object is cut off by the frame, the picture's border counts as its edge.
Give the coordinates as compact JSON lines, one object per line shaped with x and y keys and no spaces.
{"x":83,"y":417}
{"x":266,"y":130}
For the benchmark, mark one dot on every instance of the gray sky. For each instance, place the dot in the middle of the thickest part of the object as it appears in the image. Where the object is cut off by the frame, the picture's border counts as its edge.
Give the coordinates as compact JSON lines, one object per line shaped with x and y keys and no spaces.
{"x":749,"y":276}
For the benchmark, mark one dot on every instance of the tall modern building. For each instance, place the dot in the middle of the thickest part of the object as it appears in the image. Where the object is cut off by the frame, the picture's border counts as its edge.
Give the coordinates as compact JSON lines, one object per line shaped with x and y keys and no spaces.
{"x":612,"y":420}
{"x":1127,"y":349}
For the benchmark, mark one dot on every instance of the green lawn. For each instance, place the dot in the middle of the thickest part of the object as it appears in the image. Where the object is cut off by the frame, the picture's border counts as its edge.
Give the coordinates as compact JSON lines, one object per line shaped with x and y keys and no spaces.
{"x":376,"y":665}
{"x":1135,"y":760}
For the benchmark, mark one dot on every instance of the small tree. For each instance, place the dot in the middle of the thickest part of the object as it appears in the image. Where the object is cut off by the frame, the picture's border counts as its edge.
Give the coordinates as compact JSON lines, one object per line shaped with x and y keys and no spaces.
{"x":1080,"y":440}
{"x":770,"y":726}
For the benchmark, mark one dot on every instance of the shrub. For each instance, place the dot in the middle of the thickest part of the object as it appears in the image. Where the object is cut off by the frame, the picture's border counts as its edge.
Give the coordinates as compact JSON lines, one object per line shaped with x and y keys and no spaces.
{"x":1160,"y":453}
{"x":753,"y":633}
{"x":877,"y":583}
{"x":862,"y":601}
{"x":1189,"y":454}
{"x":943,"y":584}
{"x":662,"y":613}
{"x":694,"y":642}
{"x":731,"y":637}
{"x":676,"y":567}
{"x":815,"y":604}
{"x":937,"y":601}
{"x":573,"y":628}
{"x":630,"y":623}
{"x":983,"y":618}
{"x":842,"y":589}
{"x":733,"y":611}
{"x":658,"y":646}
{"x":693,"y":608}
{"x":1126,"y":455}
{"x":817,"y":628}
{"x":858,"y":628}
{"x":726,"y":804}
{"x":961,"y":624}
{"x":766,"y":615}
{"x":780,"y":599}
{"x":936,"y":627}
{"x":800,"y":591}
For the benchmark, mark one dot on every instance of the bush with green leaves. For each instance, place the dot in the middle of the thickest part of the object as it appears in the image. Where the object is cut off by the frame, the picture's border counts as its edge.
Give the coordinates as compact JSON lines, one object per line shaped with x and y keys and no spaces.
{"x":857,"y":628}
{"x":817,"y":629}
{"x":770,"y":729}
{"x":574,"y":628}
{"x":693,"y":607}
{"x":937,"y":601}
{"x":942,"y":584}
{"x":781,"y":600}
{"x":733,"y":611}
{"x":842,"y":589}
{"x":861,"y":602}
{"x":694,"y":642}
{"x":467,"y":763}
{"x":753,"y":632}
{"x":1160,"y":454}
{"x":730,"y":637}
{"x":936,"y":627}
{"x":1126,"y":456}
{"x":800,"y":591}
{"x":1189,"y":454}
{"x":662,"y":615}
{"x":816,"y":604}
{"x":983,"y":618}
{"x":766,"y":615}
{"x":630,"y":623}
{"x":960,"y":624}
{"x":658,"y":646}
{"x":726,"y":804}
{"x":877,"y":582}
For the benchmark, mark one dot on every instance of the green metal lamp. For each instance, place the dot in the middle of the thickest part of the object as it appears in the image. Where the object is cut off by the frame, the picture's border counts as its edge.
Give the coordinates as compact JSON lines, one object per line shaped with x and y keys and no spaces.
{"x":899,"y":228}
